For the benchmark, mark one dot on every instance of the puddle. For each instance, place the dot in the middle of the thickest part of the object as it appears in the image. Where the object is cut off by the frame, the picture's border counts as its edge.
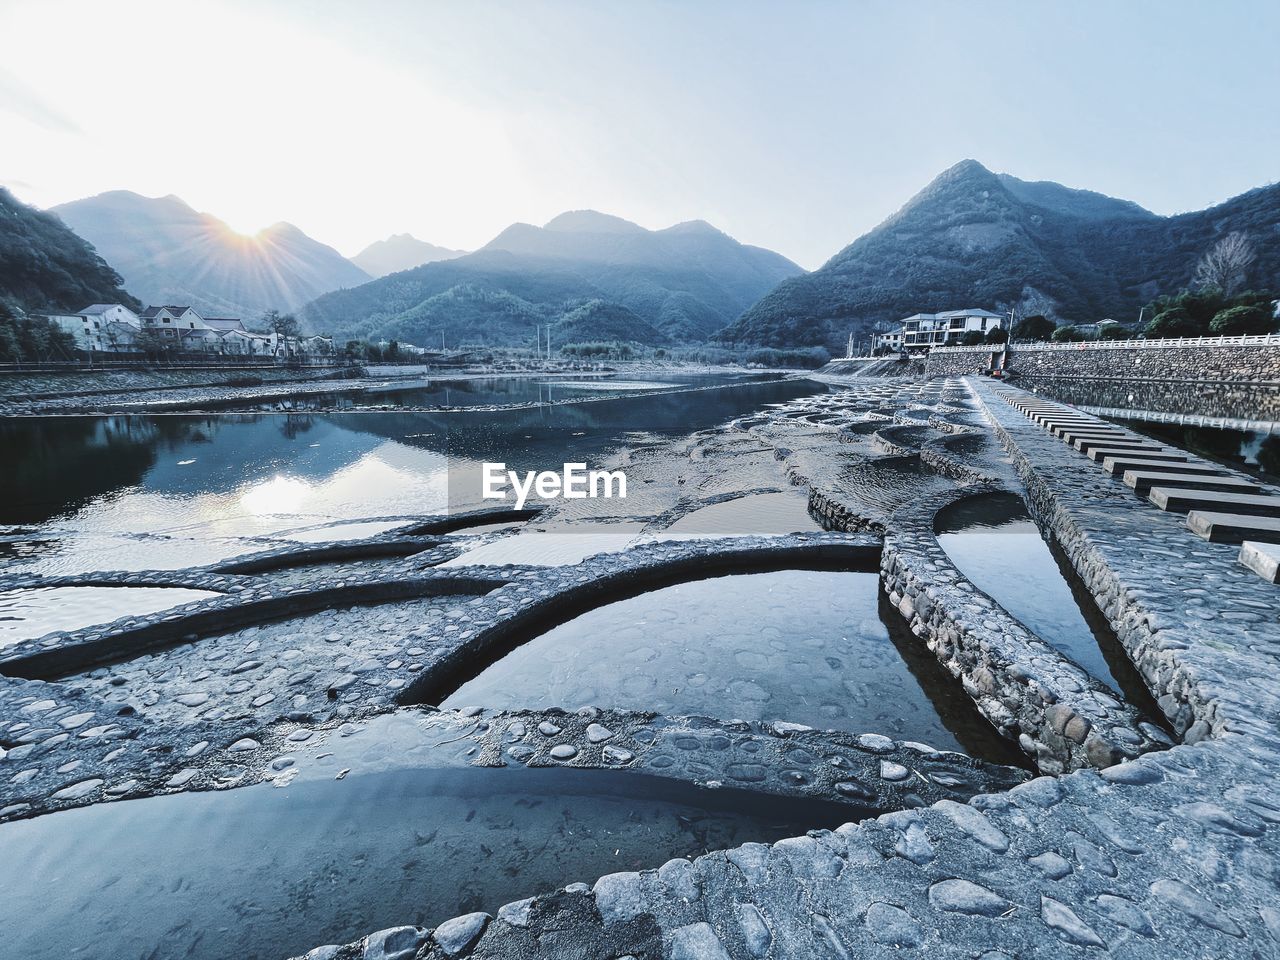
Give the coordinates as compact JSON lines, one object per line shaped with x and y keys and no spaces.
{"x":995,"y":543}
{"x":804,"y":646}
{"x":264,"y":872}
{"x":27,"y":614}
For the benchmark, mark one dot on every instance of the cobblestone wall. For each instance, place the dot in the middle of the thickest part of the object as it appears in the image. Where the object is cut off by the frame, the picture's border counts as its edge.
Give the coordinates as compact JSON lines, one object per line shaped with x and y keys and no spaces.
{"x":1225,"y":363}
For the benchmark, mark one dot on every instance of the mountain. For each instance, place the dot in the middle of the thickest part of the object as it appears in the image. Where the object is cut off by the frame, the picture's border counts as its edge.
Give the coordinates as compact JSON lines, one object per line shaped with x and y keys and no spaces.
{"x":975,"y":238}
{"x":46,"y":267}
{"x":169,"y":253}
{"x":400,"y":251}
{"x":684,"y":283}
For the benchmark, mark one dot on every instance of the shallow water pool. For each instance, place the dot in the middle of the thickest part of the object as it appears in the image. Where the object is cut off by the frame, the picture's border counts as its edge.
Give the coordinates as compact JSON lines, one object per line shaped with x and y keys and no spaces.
{"x":994,"y":542}
{"x":26,"y":614}
{"x":265,"y":872}
{"x":804,"y":646}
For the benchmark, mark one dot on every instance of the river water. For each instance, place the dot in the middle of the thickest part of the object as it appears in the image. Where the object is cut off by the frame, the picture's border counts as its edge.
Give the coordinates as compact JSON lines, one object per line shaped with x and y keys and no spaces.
{"x":164,"y":492}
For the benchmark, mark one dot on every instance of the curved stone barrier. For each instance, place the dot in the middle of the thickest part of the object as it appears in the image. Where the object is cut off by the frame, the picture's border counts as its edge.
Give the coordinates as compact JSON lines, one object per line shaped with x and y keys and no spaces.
{"x":870,"y":772}
{"x":59,"y":654}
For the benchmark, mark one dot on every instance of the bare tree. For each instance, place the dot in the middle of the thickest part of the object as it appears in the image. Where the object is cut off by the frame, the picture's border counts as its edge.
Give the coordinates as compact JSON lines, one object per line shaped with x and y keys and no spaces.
{"x":1226,"y":263}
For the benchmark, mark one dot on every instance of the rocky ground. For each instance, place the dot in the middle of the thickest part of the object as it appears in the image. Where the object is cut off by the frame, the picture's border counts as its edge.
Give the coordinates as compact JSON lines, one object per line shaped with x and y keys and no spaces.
{"x":1134,"y":846}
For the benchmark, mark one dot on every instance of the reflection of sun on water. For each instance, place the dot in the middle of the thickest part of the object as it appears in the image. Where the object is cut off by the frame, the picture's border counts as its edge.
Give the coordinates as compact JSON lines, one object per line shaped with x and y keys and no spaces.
{"x":275,"y":496}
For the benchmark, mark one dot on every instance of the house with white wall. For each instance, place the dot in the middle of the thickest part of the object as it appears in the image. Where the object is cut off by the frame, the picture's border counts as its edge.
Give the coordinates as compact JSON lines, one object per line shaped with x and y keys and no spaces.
{"x":920,"y":331}
{"x":99,"y":326}
{"x":170,"y":319}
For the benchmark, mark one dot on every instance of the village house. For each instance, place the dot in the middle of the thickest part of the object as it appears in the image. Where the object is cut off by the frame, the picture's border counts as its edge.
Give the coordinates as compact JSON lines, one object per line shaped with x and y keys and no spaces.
{"x":114,"y":328}
{"x":922,"y":331}
{"x":100,"y":326}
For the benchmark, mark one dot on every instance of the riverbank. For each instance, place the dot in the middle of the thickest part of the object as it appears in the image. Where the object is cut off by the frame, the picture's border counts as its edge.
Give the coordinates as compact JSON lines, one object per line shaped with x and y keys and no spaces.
{"x":164,"y":391}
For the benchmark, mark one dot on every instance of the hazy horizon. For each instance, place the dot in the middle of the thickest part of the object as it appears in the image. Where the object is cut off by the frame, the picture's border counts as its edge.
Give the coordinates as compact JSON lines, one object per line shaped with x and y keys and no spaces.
{"x":796,"y":128}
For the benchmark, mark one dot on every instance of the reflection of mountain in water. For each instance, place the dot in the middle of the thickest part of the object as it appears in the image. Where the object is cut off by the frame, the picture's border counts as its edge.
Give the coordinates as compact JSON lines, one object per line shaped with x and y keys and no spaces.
{"x":56,"y":466}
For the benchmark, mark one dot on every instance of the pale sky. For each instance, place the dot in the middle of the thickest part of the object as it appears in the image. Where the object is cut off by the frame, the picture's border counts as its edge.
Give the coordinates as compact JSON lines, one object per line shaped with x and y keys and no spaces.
{"x":796,"y":126}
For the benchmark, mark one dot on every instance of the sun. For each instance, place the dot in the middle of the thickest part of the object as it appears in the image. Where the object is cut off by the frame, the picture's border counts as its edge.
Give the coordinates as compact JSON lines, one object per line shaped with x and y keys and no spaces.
{"x":243,"y":226}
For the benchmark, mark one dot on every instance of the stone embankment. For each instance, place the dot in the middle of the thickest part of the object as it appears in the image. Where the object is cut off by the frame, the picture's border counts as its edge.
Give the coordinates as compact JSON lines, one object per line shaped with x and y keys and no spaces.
{"x":1251,"y":363}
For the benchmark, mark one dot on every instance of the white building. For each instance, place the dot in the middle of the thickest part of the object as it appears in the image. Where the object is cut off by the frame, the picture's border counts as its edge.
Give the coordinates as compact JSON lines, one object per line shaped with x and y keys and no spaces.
{"x":890,"y":340}
{"x":921,"y":331}
{"x":172,"y":320}
{"x":100,"y":326}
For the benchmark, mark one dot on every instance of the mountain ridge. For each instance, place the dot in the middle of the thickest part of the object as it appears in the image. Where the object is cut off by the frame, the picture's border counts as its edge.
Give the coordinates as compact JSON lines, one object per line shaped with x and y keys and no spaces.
{"x":683,"y":285}
{"x":45,"y":266}
{"x":975,"y":238}
{"x":168,"y":252}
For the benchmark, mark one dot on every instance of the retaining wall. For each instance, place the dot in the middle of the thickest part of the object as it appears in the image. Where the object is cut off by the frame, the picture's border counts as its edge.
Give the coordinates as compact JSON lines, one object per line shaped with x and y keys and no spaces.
{"x":1210,"y":363}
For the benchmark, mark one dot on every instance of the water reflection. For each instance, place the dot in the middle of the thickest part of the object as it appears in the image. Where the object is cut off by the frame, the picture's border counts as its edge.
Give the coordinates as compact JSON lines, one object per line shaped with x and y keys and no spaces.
{"x":994,"y":542}
{"x":127,"y":492}
{"x":266,"y":873}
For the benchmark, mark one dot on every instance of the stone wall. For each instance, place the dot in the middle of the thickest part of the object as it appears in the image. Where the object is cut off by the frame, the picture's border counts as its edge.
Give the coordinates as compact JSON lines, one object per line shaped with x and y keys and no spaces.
{"x":1215,"y":363}
{"x":957,"y":363}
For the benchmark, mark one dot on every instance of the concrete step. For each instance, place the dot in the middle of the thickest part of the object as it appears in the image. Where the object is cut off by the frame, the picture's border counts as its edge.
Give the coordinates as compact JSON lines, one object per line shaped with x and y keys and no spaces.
{"x":1118,"y":465}
{"x":1085,"y":444}
{"x":1135,"y":450}
{"x":1233,"y":527}
{"x":1143,"y":480}
{"x":1071,"y":436}
{"x":1181,"y":501}
{"x":1262,"y":558}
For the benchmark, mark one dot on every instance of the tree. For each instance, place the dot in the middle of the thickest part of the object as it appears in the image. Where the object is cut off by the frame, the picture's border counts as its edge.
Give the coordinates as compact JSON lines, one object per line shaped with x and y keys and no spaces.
{"x":1115,"y":332}
{"x":996,"y":335}
{"x":1034,"y":328}
{"x":971,"y":338}
{"x":1176,"y":321}
{"x":1226,"y":264}
{"x":1067,"y":335}
{"x":283,"y":325}
{"x":1243,"y":320}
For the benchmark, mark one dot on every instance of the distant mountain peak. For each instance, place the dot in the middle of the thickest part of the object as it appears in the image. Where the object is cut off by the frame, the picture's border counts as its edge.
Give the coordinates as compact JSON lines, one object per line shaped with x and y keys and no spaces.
{"x":694,"y":226}
{"x":400,"y":251}
{"x":591,"y":221}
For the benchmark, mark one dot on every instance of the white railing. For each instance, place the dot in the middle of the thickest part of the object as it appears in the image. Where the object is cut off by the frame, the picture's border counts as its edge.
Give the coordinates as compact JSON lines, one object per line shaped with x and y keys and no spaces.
{"x":1261,"y":340}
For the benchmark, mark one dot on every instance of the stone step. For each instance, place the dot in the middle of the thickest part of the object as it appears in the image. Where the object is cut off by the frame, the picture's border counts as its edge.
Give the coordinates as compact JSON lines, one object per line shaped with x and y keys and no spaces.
{"x":1121,"y":464}
{"x":1233,"y":527}
{"x":1134,"y":450}
{"x":1071,"y":436}
{"x":1070,"y":430}
{"x":1262,"y":558}
{"x":1085,"y":444}
{"x":1143,"y":480}
{"x":1052,"y":420}
{"x":1181,"y":501}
